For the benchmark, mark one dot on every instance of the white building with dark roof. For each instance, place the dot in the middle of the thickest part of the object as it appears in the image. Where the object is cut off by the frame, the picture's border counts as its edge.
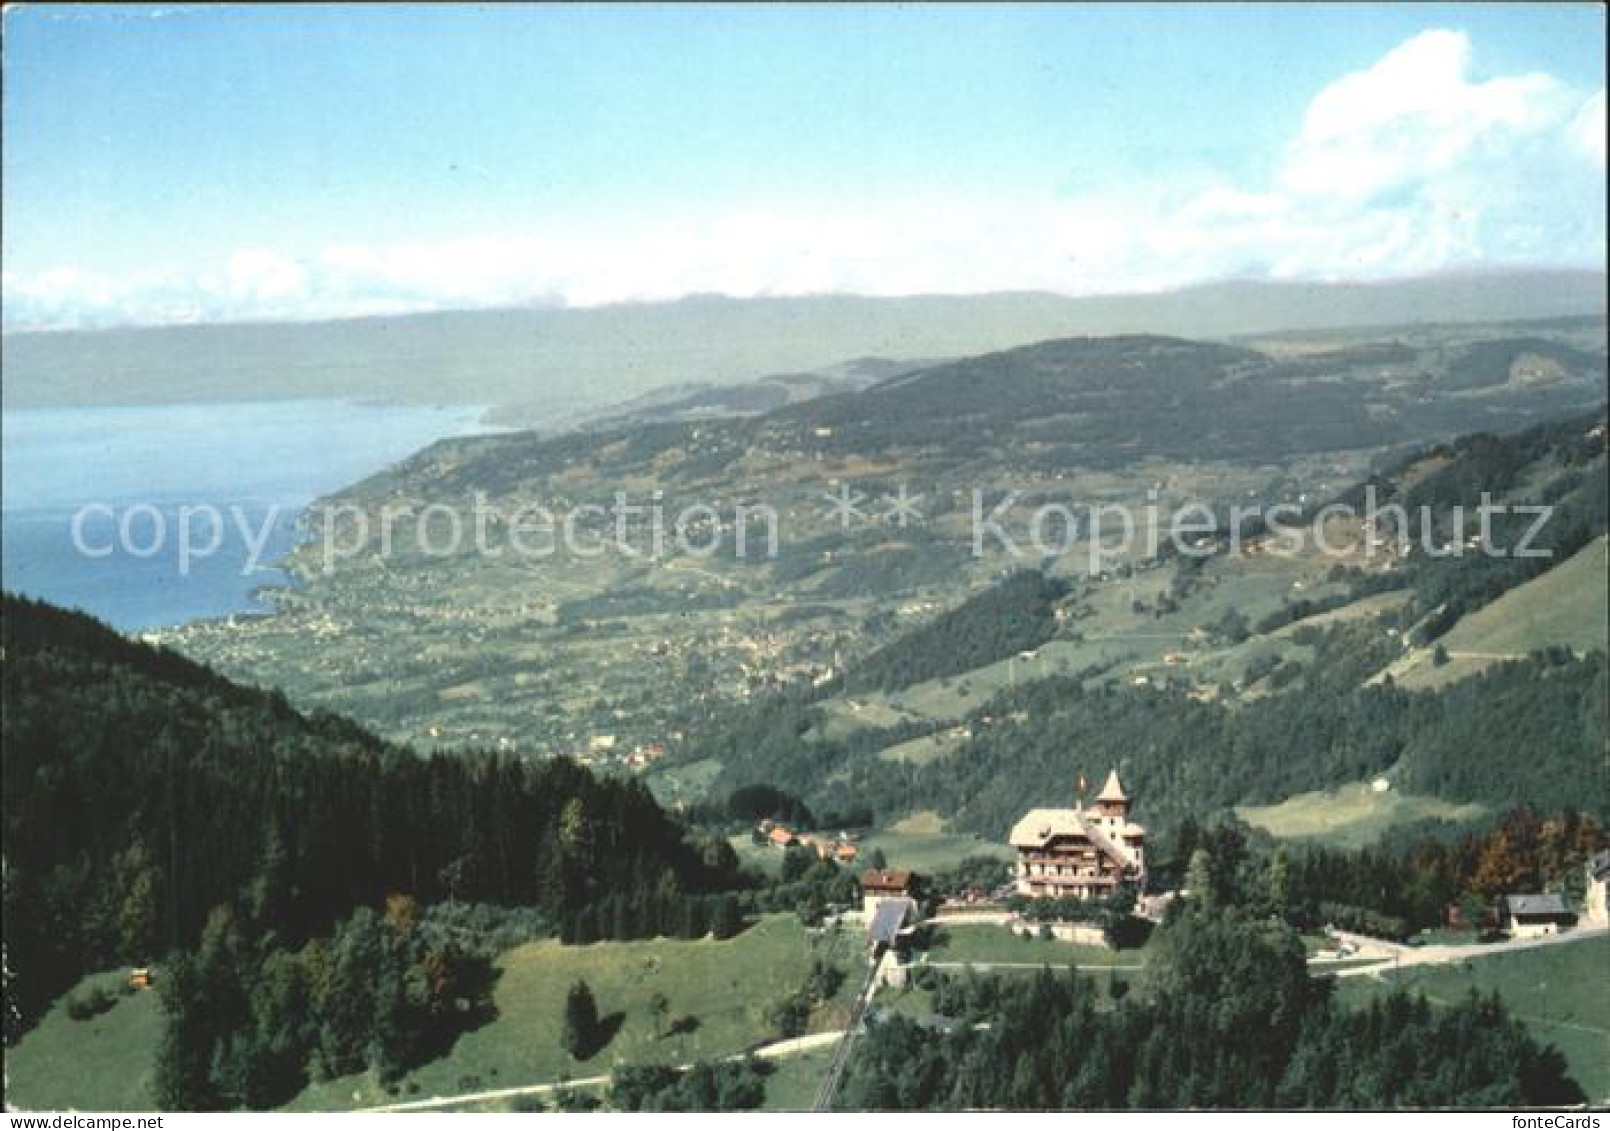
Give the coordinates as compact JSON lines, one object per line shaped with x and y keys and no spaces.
{"x":1081,"y":852}
{"x":1528,"y":916}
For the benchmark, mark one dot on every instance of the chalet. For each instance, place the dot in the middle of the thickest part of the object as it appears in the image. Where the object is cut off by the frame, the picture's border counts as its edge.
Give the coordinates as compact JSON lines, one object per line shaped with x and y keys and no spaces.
{"x":879,"y":884}
{"x":1530,"y":916}
{"x":781,"y":837}
{"x":1081,"y":852}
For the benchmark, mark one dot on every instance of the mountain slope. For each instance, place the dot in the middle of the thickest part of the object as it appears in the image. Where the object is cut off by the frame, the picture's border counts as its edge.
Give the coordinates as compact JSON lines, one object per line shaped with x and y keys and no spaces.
{"x":1251,"y":708}
{"x":1566,"y":607}
{"x":467,"y":648}
{"x":142,"y":790}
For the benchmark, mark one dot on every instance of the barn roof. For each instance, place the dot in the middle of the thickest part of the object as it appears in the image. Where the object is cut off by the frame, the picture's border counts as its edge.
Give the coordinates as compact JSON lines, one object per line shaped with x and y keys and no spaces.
{"x":1548,"y":904}
{"x":887,"y":919}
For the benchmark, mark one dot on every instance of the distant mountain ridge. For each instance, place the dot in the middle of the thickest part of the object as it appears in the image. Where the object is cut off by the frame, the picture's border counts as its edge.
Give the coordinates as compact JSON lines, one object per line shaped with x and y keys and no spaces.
{"x":705,"y":401}
{"x":550,"y":362}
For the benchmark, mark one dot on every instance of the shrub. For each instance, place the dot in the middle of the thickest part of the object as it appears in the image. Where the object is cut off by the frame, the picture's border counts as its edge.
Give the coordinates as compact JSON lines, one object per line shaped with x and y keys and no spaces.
{"x":92,"y":1003}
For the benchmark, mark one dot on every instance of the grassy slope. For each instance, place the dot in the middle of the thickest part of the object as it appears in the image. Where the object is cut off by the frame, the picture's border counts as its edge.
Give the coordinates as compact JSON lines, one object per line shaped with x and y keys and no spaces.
{"x":1567,"y":606}
{"x":686,"y":782}
{"x":985,"y":943}
{"x":1550,"y":988}
{"x":1350,"y":815}
{"x":727,"y":985}
{"x":105,"y":1063}
{"x":921,"y":751}
{"x":920,"y":844}
{"x":795,"y":1080}
{"x":102,"y":1064}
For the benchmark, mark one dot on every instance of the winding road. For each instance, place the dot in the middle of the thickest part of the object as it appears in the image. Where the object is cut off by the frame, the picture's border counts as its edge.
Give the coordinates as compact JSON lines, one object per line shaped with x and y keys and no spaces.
{"x":794,"y":1046}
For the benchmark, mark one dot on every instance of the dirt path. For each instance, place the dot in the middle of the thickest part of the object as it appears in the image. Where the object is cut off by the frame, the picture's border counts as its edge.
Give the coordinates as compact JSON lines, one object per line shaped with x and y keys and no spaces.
{"x":794,"y":1046}
{"x":1395,"y":956}
{"x":986,"y":967}
{"x":1391,"y":956}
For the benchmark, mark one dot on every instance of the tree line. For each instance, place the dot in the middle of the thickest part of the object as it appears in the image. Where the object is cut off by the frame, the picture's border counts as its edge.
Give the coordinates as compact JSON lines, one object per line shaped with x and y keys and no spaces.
{"x":249,"y":1020}
{"x":1392,"y":889}
{"x":1225,"y":1016}
{"x":143,"y":791}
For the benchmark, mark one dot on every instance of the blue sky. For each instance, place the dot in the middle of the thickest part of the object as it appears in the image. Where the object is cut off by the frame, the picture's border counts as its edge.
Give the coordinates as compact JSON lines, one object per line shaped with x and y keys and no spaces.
{"x":193,"y":164}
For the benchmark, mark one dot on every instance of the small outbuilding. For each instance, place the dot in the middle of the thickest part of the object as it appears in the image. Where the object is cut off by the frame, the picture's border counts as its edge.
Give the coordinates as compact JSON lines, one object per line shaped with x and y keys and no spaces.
{"x":1531,"y":916}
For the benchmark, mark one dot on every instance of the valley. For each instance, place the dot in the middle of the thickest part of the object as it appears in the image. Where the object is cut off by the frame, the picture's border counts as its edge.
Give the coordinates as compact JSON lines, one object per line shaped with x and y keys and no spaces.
{"x":629,"y":661}
{"x":850,"y":559}
{"x":558,"y":759}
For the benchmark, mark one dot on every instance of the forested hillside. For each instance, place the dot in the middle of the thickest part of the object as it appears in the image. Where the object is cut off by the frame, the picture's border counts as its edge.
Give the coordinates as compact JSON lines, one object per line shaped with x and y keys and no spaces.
{"x":1184,"y":755}
{"x":1225,"y":1016}
{"x":1559,"y":465}
{"x":1099,"y":402}
{"x":1014,"y":616}
{"x":1305,"y":700}
{"x":143,"y":791}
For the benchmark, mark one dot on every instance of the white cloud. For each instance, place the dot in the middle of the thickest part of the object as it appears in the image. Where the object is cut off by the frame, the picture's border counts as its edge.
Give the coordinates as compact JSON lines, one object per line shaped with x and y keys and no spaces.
{"x":1413,"y":115}
{"x":1408,"y":166}
{"x":1588,"y":128}
{"x":264,"y":276}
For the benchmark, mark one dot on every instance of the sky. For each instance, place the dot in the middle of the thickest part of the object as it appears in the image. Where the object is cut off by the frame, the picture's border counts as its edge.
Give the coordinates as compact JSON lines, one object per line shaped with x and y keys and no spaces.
{"x":220,"y":163}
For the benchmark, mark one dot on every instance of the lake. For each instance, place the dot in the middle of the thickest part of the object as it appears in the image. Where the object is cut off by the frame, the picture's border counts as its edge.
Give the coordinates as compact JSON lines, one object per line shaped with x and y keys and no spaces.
{"x":134,"y":468}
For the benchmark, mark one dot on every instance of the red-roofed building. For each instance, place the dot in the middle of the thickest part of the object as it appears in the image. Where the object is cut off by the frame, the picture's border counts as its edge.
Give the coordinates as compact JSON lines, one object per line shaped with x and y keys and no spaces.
{"x":880,"y":884}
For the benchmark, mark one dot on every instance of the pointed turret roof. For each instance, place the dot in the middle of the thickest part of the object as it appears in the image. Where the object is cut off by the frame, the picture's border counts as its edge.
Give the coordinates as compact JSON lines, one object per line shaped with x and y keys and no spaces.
{"x":1113,"y":790}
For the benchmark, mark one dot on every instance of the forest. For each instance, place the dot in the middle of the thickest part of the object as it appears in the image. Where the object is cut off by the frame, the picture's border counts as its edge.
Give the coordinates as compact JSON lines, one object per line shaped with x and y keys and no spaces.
{"x":142,"y":792}
{"x":1391,"y":890}
{"x":1480,"y":467}
{"x":1181,"y":755}
{"x":1013,"y":616}
{"x":1224,"y":1016}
